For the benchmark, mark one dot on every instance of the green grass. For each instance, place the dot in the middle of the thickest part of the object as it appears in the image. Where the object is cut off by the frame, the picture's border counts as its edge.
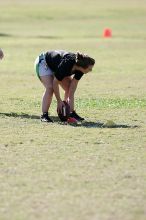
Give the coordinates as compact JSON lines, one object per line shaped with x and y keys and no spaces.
{"x":64,"y":172}
{"x":111,"y":103}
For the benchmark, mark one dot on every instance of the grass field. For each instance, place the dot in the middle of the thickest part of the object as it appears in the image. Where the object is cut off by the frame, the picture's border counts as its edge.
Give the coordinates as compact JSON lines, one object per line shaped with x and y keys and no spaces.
{"x":64,"y":172}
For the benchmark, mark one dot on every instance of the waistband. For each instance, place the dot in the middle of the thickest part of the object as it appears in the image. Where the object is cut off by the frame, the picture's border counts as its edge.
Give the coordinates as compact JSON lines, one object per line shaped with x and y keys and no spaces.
{"x":42,"y":57}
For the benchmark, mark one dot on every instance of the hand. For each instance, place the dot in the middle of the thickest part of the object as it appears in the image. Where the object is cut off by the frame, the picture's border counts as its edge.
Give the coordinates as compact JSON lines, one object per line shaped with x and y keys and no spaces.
{"x":60,"y":106}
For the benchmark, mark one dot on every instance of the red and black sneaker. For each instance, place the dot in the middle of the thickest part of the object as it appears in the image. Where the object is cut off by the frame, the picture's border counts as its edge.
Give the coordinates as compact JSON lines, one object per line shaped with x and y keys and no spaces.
{"x":73,"y":114}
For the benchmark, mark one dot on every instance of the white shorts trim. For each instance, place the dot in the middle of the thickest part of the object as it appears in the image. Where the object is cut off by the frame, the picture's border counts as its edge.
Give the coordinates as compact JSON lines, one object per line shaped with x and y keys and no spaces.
{"x":41,"y":67}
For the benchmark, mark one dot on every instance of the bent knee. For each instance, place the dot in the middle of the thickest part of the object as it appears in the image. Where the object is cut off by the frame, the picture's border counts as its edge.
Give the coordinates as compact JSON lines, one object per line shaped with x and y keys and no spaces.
{"x":49,"y":89}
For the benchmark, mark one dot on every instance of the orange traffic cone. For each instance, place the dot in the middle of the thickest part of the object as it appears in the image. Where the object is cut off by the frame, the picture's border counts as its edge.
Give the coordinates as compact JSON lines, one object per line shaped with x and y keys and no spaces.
{"x":107,"y":32}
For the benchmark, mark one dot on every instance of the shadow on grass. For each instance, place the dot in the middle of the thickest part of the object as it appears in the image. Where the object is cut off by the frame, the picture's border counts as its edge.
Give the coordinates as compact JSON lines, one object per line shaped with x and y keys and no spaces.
{"x":89,"y":124}
{"x":86,"y":124}
{"x":19,"y":115}
{"x":5,"y":35}
{"x":39,"y":36}
{"x":24,"y":115}
{"x":48,"y":37}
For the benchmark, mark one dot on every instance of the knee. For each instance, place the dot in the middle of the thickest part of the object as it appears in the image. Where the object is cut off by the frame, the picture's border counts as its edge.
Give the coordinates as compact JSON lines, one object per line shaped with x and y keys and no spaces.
{"x":49,"y":89}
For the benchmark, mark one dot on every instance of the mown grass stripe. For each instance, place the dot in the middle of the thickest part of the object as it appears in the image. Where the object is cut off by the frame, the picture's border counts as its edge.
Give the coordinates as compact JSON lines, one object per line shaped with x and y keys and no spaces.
{"x":111,"y":103}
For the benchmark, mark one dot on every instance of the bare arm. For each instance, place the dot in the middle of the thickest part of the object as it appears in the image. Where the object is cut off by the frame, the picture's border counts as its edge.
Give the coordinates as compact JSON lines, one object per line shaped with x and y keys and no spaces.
{"x":72,"y":89}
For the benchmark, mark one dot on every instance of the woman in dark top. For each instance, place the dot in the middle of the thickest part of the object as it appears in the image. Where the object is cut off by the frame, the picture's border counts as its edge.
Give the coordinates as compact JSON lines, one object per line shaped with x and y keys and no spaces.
{"x":62,"y":68}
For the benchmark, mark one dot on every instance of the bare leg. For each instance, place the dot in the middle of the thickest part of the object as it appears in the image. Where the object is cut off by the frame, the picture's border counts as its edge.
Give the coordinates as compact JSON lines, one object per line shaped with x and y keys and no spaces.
{"x":47,"y":81}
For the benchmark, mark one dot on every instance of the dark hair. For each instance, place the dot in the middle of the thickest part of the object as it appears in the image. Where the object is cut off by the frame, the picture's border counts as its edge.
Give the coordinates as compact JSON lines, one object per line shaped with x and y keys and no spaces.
{"x":83,"y":60}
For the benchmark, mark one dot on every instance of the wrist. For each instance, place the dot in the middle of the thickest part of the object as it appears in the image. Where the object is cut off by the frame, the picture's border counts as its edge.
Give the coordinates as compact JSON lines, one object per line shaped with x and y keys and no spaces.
{"x":59,"y":100}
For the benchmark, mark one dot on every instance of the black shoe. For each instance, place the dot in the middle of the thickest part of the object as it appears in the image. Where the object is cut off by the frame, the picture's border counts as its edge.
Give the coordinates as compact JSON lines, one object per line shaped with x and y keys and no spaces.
{"x":46,"y":118}
{"x":76,"y":116}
